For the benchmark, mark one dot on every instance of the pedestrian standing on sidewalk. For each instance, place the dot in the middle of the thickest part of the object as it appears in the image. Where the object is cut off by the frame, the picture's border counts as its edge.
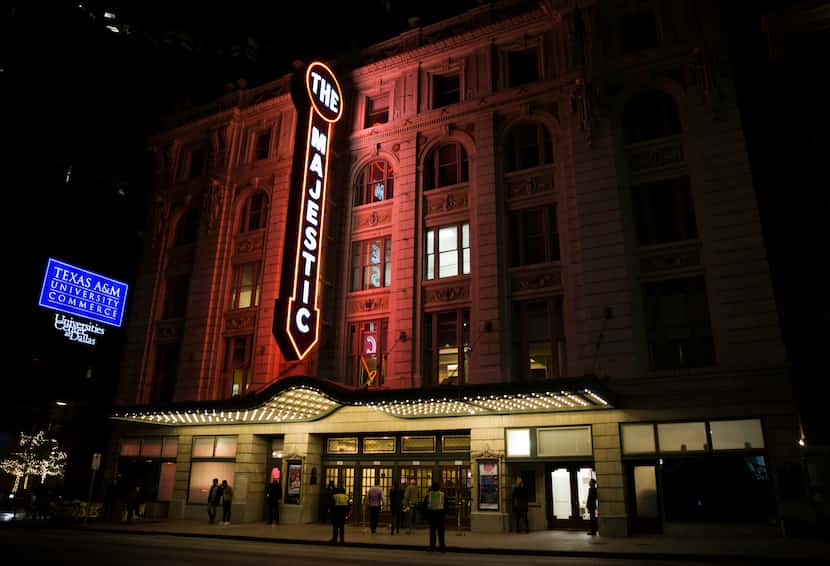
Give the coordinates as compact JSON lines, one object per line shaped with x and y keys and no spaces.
{"x":227,"y":498}
{"x":591,"y":504}
{"x":374,"y":501}
{"x":214,"y":495}
{"x":273,"y":495}
{"x":339,"y":514}
{"x":436,"y":505}
{"x":396,"y":507}
{"x":410,"y":503}
{"x":520,"y":499}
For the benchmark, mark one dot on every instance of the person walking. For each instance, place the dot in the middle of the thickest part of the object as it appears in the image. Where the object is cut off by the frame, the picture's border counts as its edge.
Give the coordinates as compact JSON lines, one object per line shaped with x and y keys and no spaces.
{"x":374,"y":501}
{"x":227,"y":499}
{"x":410,"y":503}
{"x":591,"y":504}
{"x":396,"y":507}
{"x":273,"y":494}
{"x":339,"y":514}
{"x":214,"y":495}
{"x":520,"y":499}
{"x":436,"y":505}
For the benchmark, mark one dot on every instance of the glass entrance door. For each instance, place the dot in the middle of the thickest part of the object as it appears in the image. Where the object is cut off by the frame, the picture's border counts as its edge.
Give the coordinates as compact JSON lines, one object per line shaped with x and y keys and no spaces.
{"x":381,"y":475}
{"x":567,"y":495}
{"x":643,"y":499}
{"x":343,"y":476}
{"x":456,"y":481}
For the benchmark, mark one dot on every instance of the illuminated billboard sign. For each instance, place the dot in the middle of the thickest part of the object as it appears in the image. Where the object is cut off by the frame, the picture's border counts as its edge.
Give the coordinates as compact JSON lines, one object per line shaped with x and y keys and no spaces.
{"x":79,"y":292}
{"x":319,"y":102}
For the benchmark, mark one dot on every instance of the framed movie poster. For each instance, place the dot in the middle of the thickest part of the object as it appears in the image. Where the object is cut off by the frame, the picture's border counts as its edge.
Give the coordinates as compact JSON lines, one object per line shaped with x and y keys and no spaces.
{"x":488,"y":485}
{"x":294,"y":484}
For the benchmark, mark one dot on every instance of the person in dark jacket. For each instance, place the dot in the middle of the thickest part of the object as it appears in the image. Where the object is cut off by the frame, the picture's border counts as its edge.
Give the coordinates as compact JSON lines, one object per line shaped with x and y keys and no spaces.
{"x":214,"y":497}
{"x":273,"y":495}
{"x":396,"y":507}
{"x":520,"y":499}
{"x":591,"y":504}
{"x":326,"y":499}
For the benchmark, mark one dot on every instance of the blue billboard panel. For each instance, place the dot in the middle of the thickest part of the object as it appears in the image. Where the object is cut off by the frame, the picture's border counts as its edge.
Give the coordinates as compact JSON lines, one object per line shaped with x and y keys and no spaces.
{"x":73,"y":290}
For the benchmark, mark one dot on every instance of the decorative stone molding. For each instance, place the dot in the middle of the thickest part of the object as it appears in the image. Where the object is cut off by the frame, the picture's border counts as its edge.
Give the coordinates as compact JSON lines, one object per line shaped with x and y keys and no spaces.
{"x":168,"y":331}
{"x":249,"y":242}
{"x":528,"y":184}
{"x":364,"y":304}
{"x":373,"y":217}
{"x":443,"y":294}
{"x":442,"y":201}
{"x":161,"y":218}
{"x":240,"y":322}
{"x":213,"y":202}
{"x":648,"y":156}
{"x":670,"y":259}
{"x":546,"y":278}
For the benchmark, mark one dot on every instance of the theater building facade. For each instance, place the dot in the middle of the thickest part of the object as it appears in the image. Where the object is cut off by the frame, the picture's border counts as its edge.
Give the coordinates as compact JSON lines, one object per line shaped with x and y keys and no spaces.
{"x":538,"y":255}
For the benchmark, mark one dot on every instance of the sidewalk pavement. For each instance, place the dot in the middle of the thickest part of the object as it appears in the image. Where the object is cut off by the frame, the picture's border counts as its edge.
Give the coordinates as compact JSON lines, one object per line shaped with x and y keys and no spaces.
{"x":755,"y":549}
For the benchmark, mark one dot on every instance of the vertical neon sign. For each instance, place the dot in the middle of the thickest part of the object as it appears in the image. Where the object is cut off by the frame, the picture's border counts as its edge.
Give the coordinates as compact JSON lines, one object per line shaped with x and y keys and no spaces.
{"x":319,"y":104}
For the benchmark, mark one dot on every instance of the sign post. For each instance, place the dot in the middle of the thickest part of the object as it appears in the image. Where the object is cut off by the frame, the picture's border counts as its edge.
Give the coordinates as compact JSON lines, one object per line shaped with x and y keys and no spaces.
{"x":96,"y":465}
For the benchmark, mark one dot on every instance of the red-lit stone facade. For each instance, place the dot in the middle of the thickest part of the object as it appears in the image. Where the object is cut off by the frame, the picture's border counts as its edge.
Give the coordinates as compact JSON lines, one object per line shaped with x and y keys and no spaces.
{"x":526,"y":192}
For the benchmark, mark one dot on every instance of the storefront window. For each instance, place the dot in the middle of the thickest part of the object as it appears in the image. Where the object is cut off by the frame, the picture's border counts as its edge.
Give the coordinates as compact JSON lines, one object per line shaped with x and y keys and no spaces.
{"x":201,"y":478}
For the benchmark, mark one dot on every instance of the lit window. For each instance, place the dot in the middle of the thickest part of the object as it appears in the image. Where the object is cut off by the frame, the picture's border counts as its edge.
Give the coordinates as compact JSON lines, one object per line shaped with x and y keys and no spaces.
{"x":237,"y":366}
{"x":367,"y":353}
{"x":246,"y":286}
{"x":443,"y":256}
{"x":518,"y":442}
{"x":447,"y":347}
{"x":371,"y":264}
{"x":374,"y":184}
{"x":538,"y":340}
{"x":446,"y":165}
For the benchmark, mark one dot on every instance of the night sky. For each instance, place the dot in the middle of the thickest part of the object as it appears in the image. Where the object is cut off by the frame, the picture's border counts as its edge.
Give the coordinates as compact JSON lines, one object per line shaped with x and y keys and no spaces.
{"x":77,"y":95}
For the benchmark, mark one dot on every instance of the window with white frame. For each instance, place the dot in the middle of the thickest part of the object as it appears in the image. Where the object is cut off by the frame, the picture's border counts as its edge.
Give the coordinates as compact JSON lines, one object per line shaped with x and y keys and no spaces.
{"x":447,"y":251}
{"x":371,"y":264}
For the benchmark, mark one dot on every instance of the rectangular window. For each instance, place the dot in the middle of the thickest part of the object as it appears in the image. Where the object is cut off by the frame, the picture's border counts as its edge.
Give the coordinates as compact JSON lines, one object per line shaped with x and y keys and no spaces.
{"x":367,"y":350}
{"x":262,"y":145}
{"x":202,"y":475}
{"x":538,"y":340}
{"x":677,"y":324}
{"x":130,"y":447}
{"x":562,"y":442}
{"x":447,"y":352}
{"x":522,"y":66}
{"x":237,"y":367}
{"x":246,"y":286}
{"x":377,"y":110}
{"x":175,"y":296}
{"x":166,"y":367}
{"x":371,"y":264}
{"x":446,"y":90}
{"x":638,"y":439}
{"x":518,"y":442}
{"x":536,"y":236}
{"x":442,"y":244}
{"x":664,"y":212}
{"x":681,"y":437}
{"x":744,"y":434}
{"x":214,"y":447}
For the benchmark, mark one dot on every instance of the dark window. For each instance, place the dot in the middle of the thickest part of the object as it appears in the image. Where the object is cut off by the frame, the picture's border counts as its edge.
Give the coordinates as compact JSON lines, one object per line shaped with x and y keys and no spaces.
{"x":198,"y":160}
{"x":166,"y":366}
{"x":528,"y":145}
{"x":371,"y":264}
{"x":649,"y":116}
{"x":187,"y":229}
{"x":377,"y":110}
{"x":263,"y":145}
{"x":664,"y":212}
{"x":367,"y":353}
{"x":447,"y":347}
{"x":246,"y":285}
{"x":447,"y":251}
{"x":538,"y":340}
{"x":522,"y":66}
{"x":677,"y":324}
{"x":237,"y":366}
{"x":374,"y":184}
{"x":638,"y":31}
{"x":446,"y":90}
{"x":446,"y":165}
{"x":254,"y":213}
{"x":175,"y":297}
{"x":534,"y":236}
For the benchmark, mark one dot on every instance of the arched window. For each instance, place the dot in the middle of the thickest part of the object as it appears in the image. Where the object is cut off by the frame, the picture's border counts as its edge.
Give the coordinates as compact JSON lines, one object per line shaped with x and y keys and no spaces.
{"x":374,"y":184}
{"x":254,"y":213}
{"x":446,"y":165}
{"x":528,"y":145}
{"x":187,"y":229}
{"x":649,"y":116}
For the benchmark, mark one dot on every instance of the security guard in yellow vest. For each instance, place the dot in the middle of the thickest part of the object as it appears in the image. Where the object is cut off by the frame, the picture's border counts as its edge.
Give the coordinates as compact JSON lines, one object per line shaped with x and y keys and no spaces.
{"x":340,"y":507}
{"x":436,"y":506}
